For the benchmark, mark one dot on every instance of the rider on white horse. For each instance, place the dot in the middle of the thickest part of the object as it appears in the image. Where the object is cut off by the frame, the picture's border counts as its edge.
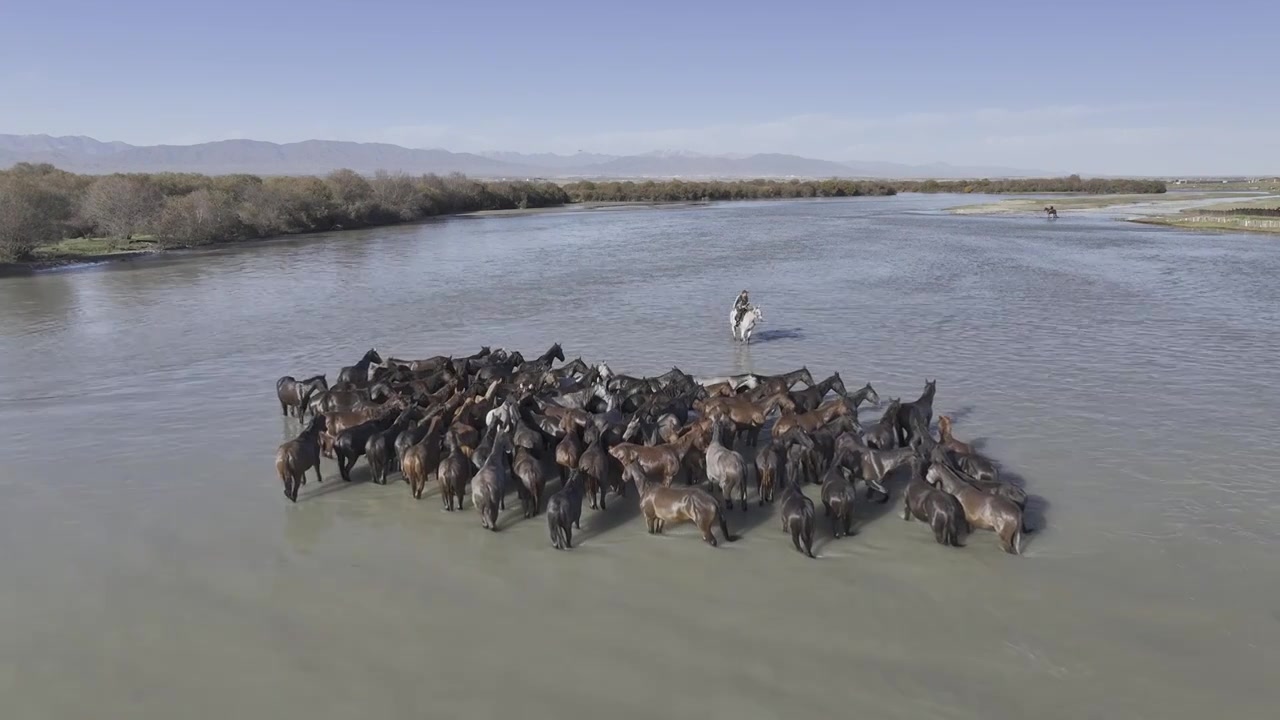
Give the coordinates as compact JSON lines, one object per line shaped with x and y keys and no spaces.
{"x":740,"y":307}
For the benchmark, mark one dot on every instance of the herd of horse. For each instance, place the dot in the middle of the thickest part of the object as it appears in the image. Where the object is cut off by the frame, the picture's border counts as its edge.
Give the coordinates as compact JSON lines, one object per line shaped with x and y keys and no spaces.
{"x":494,"y":422}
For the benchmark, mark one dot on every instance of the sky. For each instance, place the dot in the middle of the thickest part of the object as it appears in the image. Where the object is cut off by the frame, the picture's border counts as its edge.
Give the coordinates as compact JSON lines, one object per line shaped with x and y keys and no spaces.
{"x":1119,"y":87}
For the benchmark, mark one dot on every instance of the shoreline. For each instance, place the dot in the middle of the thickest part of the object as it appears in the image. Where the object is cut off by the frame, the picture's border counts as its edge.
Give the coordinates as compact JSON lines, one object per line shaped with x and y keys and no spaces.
{"x":1176,"y":211}
{"x":49,"y":264}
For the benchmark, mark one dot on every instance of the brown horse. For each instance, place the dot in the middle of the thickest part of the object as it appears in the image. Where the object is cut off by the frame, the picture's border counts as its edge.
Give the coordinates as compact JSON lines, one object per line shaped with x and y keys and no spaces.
{"x":297,"y":456}
{"x":661,"y":504}
{"x":814,"y":419}
{"x":948,"y":440}
{"x":533,"y":475}
{"x":747,"y":416}
{"x":769,"y":460}
{"x":971,"y":462}
{"x":454,"y":472}
{"x":665,"y":460}
{"x":569,"y":449}
{"x":982,"y":510}
{"x":422,"y":459}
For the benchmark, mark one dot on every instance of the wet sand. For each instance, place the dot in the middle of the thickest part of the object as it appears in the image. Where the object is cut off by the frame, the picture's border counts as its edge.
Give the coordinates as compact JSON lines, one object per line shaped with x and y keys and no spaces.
{"x":153,"y":568}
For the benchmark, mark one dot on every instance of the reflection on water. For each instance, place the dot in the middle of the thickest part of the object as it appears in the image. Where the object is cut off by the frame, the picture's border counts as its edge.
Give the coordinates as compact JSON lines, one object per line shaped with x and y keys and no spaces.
{"x":1125,"y":373}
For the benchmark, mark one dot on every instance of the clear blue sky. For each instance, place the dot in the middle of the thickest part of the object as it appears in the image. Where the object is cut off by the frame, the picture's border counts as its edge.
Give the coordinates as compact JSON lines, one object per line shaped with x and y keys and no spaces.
{"x":1111,"y":87}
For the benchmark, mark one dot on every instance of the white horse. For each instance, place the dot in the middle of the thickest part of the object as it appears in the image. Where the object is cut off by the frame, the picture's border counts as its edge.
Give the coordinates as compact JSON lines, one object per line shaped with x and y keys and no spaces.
{"x":742,"y":330}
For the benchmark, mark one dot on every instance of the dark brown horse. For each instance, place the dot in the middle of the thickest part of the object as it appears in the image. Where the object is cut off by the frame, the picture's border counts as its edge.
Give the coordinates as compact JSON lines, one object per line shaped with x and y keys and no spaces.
{"x":294,"y":394}
{"x":603,"y":471}
{"x":533,"y":474}
{"x":884,"y":434}
{"x":797,"y":518}
{"x":358,"y":375}
{"x":922,"y":407}
{"x":838,"y":499}
{"x":809,"y":398}
{"x":489,"y":486}
{"x":297,"y":456}
{"x":942,"y":511}
{"x":564,"y":512}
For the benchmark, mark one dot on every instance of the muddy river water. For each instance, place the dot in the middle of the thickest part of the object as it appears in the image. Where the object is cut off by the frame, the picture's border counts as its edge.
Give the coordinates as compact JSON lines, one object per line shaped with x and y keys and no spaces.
{"x":151,"y":568}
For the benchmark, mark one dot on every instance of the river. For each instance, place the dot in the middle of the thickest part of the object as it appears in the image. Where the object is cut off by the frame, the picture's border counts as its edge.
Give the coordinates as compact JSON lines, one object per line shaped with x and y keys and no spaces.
{"x":151,"y":567}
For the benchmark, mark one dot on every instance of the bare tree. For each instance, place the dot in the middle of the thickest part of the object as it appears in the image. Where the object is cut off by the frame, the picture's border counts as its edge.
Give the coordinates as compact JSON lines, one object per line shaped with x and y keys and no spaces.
{"x":30,"y":216}
{"x":396,"y":196}
{"x":120,"y":205}
{"x":199,"y":218}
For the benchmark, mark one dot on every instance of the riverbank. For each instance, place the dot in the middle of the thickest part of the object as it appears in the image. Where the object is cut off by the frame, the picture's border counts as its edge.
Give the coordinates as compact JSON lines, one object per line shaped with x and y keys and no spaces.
{"x":95,"y":251}
{"x":1019,"y":206}
{"x":1189,"y":210}
{"x":1212,"y":222}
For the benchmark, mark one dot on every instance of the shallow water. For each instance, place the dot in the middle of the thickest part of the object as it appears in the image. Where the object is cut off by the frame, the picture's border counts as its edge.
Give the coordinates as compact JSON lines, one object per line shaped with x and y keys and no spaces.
{"x":152,"y":569}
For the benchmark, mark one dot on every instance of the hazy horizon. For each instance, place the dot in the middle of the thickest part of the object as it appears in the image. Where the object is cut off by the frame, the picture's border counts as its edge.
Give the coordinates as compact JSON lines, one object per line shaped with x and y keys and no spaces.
{"x":1102,"y":88}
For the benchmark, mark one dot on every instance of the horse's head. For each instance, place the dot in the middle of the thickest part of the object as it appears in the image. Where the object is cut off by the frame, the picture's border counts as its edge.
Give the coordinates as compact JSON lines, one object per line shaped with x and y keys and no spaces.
{"x":870,"y":394}
{"x":556,"y":352}
{"x":604,"y":370}
{"x":805,"y":376}
{"x":633,"y":427}
{"x":372,"y":356}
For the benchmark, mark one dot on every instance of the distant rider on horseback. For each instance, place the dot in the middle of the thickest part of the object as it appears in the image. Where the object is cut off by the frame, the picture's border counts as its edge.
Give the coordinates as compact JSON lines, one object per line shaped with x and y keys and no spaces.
{"x":740,"y":307}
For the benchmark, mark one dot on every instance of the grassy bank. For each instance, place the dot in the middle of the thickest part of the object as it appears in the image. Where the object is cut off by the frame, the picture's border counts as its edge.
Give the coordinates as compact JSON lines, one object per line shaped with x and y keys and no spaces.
{"x":1259,"y":214}
{"x":1213,"y":222}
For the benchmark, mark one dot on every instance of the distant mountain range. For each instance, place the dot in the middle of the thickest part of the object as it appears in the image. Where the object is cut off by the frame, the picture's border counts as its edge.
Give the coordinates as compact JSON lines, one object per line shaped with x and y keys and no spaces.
{"x":87,"y":155}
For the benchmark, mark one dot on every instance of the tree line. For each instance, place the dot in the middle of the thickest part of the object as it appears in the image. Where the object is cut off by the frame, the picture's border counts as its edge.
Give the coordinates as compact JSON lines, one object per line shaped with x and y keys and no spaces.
{"x":40,"y":204}
{"x":1071,"y":184}
{"x":687,"y":191}
{"x":682,"y":190}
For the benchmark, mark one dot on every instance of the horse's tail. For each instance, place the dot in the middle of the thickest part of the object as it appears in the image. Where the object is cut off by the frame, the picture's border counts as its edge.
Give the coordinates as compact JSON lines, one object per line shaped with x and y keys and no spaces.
{"x":557,"y":532}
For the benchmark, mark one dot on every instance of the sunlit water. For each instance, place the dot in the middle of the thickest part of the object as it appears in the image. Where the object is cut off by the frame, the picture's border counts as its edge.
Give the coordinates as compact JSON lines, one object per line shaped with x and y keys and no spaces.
{"x":151,"y":567}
